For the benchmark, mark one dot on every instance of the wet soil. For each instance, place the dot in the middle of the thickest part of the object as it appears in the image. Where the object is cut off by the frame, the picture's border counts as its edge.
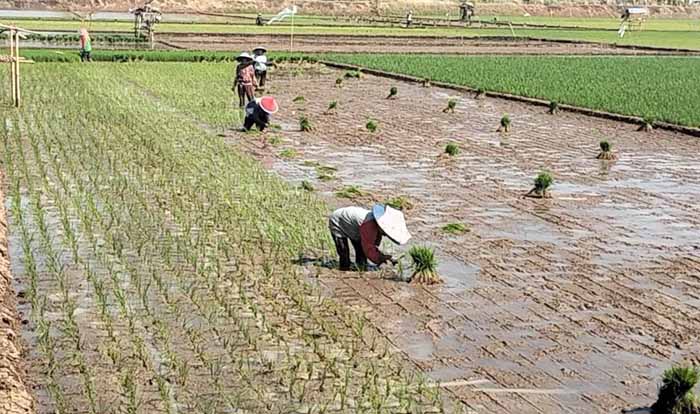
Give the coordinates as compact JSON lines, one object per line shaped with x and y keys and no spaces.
{"x":14,"y":395}
{"x":575,"y":303}
{"x":319,"y":44}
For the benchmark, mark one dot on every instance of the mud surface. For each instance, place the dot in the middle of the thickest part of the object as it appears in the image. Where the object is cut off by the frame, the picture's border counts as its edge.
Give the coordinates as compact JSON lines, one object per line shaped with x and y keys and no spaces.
{"x":349,"y":44}
{"x":14,"y":396}
{"x":571,"y":304}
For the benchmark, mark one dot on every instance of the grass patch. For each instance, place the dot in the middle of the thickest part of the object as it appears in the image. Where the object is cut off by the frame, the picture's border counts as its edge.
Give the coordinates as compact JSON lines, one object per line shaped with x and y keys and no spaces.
{"x":400,"y":203}
{"x":455,"y":228}
{"x":288,"y":153}
{"x":350,"y":192}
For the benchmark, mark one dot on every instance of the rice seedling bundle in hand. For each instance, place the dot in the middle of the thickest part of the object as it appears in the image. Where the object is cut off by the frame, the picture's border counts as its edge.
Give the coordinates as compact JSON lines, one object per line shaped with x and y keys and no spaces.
{"x":371,"y":125}
{"x":305,"y":124}
{"x":424,"y":266}
{"x":605,"y":151}
{"x":451,"y":105}
{"x":542,"y":183}
{"x":452,"y":149}
{"x":392,"y":92}
{"x":675,"y":394}
{"x":504,"y":124}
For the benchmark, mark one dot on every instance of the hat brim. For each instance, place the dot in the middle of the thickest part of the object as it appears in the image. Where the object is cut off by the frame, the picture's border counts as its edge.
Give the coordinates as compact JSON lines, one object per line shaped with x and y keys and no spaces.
{"x":259,"y":48}
{"x":270,"y":111}
{"x":392,"y":223}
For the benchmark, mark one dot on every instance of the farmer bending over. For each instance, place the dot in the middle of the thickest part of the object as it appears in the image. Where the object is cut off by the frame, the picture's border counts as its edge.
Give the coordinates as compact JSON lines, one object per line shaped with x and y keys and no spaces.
{"x":245,"y":82}
{"x":365,"y":230}
{"x":85,"y":46}
{"x":258,"y":112}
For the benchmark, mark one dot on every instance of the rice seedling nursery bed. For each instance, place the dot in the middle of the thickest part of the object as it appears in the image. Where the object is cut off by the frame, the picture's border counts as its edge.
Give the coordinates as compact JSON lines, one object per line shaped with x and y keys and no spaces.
{"x":159,"y":260}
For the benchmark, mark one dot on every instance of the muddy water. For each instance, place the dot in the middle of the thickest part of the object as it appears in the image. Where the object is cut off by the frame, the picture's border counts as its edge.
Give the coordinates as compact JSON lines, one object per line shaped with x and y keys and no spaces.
{"x":581,"y":300}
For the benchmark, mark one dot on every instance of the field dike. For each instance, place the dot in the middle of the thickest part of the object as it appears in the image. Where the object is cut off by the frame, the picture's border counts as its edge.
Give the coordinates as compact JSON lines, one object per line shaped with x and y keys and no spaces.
{"x":14,"y":398}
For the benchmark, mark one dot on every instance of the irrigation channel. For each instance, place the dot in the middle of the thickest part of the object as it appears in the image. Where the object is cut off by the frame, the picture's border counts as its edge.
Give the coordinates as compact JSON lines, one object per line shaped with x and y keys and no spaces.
{"x":568,"y":305}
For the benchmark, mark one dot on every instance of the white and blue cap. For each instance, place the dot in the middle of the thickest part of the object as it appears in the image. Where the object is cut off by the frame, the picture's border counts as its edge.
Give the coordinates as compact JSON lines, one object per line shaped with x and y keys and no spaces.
{"x":392,"y":223}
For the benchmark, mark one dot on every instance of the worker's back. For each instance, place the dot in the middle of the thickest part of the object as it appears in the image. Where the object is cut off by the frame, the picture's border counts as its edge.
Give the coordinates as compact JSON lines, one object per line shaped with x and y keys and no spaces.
{"x":346,"y":221}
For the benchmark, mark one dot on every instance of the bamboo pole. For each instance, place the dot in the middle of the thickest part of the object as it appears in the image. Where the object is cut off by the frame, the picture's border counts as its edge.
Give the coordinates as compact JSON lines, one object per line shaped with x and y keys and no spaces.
{"x":17,"y":94}
{"x":12,"y":66}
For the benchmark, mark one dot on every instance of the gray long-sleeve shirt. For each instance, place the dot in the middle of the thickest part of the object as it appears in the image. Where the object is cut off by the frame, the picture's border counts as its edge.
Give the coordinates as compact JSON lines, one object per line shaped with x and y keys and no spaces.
{"x":346,"y":222}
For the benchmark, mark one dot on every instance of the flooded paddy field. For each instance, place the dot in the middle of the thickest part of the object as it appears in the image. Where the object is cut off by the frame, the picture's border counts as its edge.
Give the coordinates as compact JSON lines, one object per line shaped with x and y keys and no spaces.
{"x":571,"y":304}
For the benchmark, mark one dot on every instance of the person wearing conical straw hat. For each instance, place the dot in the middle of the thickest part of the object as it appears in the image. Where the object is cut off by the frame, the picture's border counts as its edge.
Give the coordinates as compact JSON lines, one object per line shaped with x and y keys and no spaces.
{"x":245,"y":82}
{"x":85,"y":45}
{"x":260,"y":65}
{"x":258,"y":112}
{"x":365,"y":230}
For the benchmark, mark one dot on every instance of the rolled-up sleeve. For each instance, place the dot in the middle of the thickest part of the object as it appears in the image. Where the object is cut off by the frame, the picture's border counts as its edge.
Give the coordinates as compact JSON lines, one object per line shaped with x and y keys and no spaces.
{"x":370,"y":239}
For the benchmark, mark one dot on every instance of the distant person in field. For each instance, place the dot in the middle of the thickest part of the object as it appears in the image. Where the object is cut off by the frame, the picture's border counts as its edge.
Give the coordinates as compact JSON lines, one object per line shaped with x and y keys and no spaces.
{"x":245,"y":82}
{"x":259,"y":20}
{"x":365,"y":229}
{"x":260,"y":66}
{"x":409,"y":18}
{"x":258,"y":111}
{"x":85,"y":46}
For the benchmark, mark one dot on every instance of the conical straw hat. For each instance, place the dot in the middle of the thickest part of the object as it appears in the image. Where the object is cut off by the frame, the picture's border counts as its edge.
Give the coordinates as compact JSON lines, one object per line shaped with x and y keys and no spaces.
{"x":392,"y":223}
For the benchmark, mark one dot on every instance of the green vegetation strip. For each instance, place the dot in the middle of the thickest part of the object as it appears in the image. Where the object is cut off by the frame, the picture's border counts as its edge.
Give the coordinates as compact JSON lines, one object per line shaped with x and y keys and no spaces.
{"x":661,"y":88}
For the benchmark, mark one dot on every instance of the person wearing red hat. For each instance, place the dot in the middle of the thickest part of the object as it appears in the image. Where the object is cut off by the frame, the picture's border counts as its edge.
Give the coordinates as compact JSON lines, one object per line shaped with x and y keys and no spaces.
{"x":258,"y":112}
{"x":365,"y":230}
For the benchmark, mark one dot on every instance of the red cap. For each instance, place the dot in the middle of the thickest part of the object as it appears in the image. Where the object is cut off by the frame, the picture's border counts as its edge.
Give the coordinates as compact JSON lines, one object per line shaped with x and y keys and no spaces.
{"x":268,"y":104}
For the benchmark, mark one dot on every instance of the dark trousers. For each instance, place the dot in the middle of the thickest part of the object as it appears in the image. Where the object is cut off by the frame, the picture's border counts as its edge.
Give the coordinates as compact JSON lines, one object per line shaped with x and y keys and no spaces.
{"x":262,"y":76}
{"x":245,"y":92}
{"x":343,"y":249}
{"x":85,"y":56}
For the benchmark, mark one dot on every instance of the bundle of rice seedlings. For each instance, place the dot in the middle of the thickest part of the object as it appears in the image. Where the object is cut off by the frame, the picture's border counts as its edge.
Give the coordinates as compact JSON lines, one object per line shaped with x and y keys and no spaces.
{"x":392,"y":92}
{"x":424,"y":266}
{"x":305,"y":124}
{"x":675,"y":394}
{"x":426,"y":83}
{"x":351,"y":192}
{"x":305,"y":185}
{"x":542,"y":183}
{"x":452,"y":149}
{"x":339,"y":83}
{"x":455,"y":228}
{"x":647,"y":124}
{"x":331,"y":107}
{"x":553,"y":107}
{"x":352,"y":74}
{"x":400,"y":203}
{"x":479,"y":93}
{"x":605,"y":153}
{"x":451,"y":105}
{"x":275,"y":140}
{"x":505,"y":124}
{"x":371,"y":125}
{"x":299,"y":99}
{"x":288,"y":153}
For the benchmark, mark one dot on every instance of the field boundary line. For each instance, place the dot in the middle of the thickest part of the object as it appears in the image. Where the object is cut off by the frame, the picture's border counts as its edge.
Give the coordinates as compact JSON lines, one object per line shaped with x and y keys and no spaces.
{"x":629,"y":119}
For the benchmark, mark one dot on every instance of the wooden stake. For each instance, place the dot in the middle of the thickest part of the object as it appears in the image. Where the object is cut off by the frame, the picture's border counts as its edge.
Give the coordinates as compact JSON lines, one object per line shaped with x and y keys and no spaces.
{"x":17,"y":94}
{"x":12,"y":66}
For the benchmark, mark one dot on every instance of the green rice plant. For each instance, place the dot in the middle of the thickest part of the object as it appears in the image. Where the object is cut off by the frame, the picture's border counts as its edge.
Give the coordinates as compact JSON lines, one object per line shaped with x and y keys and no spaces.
{"x":605,"y":151}
{"x":424,"y":266}
{"x":371,"y":125}
{"x":675,"y":393}
{"x":311,"y":163}
{"x":451,"y":105}
{"x":542,"y":183}
{"x":455,"y":228}
{"x":480,"y":93}
{"x":355,"y":74}
{"x":392,"y":92}
{"x":275,"y":140}
{"x":553,"y":107}
{"x":306,"y":186}
{"x":331,"y":107}
{"x":288,"y":153}
{"x":452,"y":149}
{"x":647,"y":124}
{"x":504,"y":124}
{"x":299,"y":99}
{"x":426,"y":82}
{"x":305,"y":124}
{"x":402,"y":203}
{"x":350,"y":192}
